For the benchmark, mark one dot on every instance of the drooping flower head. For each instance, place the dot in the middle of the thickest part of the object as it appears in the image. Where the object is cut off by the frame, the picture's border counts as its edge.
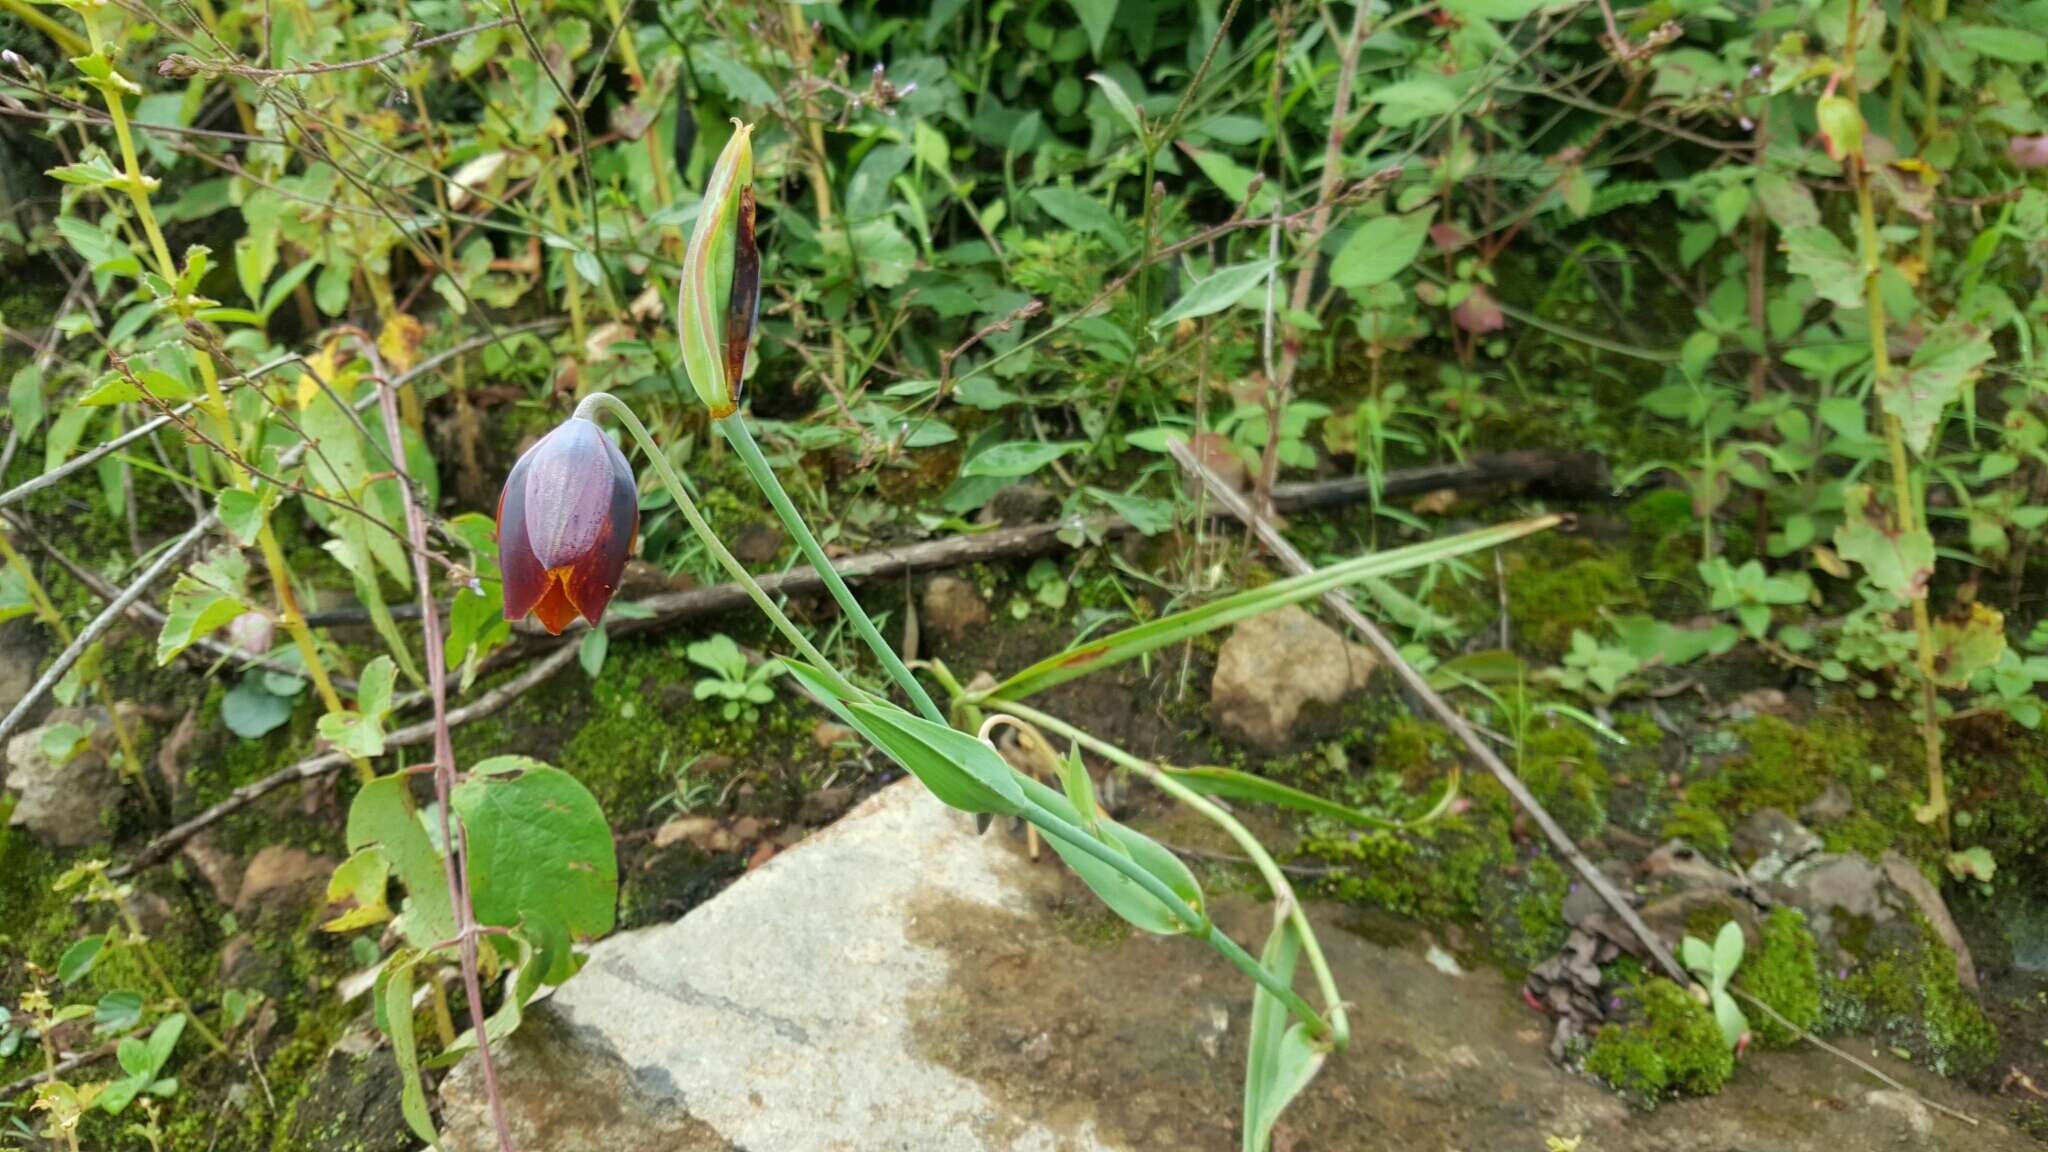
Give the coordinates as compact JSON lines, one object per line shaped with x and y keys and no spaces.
{"x":720,"y":294}
{"x":566,"y":523}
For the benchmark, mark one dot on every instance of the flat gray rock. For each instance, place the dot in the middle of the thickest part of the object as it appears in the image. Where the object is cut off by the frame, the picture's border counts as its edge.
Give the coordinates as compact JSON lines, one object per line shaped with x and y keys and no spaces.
{"x":896,"y":983}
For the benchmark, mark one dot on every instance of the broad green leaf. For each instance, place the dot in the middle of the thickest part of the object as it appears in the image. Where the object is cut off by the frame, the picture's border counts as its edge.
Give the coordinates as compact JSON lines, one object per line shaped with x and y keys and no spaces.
{"x":1016,"y":458}
{"x":250,"y":710}
{"x":963,"y":772}
{"x":1817,"y":254}
{"x":1234,"y":180}
{"x":361,"y":878}
{"x":361,"y":733}
{"x":205,"y":597}
{"x":79,"y":958}
{"x":242,"y":513}
{"x":1154,"y":634}
{"x":1946,"y":362}
{"x":1964,"y":647}
{"x":25,"y":400}
{"x":1082,"y":213}
{"x":1727,"y":952}
{"x":1897,"y":561}
{"x":117,"y":1012}
{"x":1380,"y":249}
{"x":1215,"y":292}
{"x":1421,"y":97}
{"x":540,"y":853}
{"x":1841,"y":125}
{"x":1096,"y":16}
{"x":382,"y":815}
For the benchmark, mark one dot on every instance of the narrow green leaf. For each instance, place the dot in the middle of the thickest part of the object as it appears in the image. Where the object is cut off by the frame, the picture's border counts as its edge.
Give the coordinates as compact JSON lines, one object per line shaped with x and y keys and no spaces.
{"x":396,"y":1000}
{"x":1166,"y":630}
{"x":1123,"y":896}
{"x":963,"y":772}
{"x":1281,"y":1059}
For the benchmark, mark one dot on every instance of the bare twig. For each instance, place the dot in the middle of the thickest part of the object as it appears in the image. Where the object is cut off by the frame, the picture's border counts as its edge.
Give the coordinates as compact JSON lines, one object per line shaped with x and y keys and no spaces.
{"x":1292,"y":559}
{"x":115,"y":609}
{"x":61,"y":1068}
{"x":1864,"y":1065}
{"x":177,"y":65}
{"x":327,"y":763}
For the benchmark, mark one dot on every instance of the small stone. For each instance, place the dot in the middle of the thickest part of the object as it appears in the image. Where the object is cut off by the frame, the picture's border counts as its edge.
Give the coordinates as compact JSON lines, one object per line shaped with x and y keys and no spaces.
{"x":21,"y":653}
{"x":1037,"y":1050}
{"x":951,"y":606}
{"x":747,"y":828}
{"x":61,"y":802}
{"x":1021,"y":504}
{"x":1276,"y":664}
{"x":278,"y":871}
{"x":1210,"y":1031}
{"x":1834,"y":803}
{"x":1918,"y":1121}
{"x":353,"y":1102}
{"x":828,"y":734}
{"x":1767,"y":842}
{"x":215,"y":866}
{"x":1927,"y":898}
{"x":695,"y":829}
{"x":826,"y":805}
{"x":150,"y":910}
{"x":760,"y":543}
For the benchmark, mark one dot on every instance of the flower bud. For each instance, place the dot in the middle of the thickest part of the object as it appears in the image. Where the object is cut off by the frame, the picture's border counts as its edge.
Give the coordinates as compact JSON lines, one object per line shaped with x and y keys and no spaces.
{"x":720,"y":294}
{"x":566,"y":523}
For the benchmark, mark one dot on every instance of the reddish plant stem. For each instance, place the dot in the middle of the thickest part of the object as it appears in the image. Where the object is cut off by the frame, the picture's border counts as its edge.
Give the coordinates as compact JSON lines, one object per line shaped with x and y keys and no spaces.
{"x":455,"y":861}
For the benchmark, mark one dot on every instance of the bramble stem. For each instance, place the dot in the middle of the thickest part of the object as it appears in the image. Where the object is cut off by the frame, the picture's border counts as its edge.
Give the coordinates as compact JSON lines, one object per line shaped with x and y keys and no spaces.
{"x":735,"y":429}
{"x":726,"y":560}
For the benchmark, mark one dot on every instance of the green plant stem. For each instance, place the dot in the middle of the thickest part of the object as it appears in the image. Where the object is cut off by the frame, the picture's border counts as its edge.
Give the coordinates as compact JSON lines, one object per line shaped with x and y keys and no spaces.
{"x":163,"y":979}
{"x":681,"y":495}
{"x":735,"y":429}
{"x":1903,"y":496}
{"x":1269,"y":870}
